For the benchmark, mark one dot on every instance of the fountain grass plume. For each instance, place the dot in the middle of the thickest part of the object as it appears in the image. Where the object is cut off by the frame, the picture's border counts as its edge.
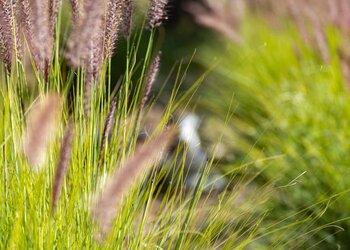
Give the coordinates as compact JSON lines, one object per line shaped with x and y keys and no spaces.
{"x":125,"y":178}
{"x":85,"y":31}
{"x":7,"y":32}
{"x":26,"y":25}
{"x":54,"y":7}
{"x":43,"y":40}
{"x":41,"y":128}
{"x":63,"y":162}
{"x":112,"y":22}
{"x":36,"y":19}
{"x":128,"y":9}
{"x":157,"y":13}
{"x":75,"y":10}
{"x":150,"y":78}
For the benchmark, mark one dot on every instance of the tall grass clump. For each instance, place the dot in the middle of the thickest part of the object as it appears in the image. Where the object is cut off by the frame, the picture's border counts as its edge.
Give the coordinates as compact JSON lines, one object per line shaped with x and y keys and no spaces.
{"x":99,"y":182}
{"x":89,"y":159}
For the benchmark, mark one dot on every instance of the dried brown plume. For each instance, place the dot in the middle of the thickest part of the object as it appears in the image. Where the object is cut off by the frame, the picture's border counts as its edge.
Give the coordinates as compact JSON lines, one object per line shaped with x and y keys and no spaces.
{"x":127,"y":13}
{"x":112,"y":21}
{"x":41,"y":127}
{"x":63,"y":161}
{"x":85,"y":32}
{"x":8,"y":32}
{"x":125,"y":178}
{"x":150,"y":78}
{"x":75,"y":11}
{"x":36,"y":19}
{"x":54,"y":7}
{"x":157,"y":13}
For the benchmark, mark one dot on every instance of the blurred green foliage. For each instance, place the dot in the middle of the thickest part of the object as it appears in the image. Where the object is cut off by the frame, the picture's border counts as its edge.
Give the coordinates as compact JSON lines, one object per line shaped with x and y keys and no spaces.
{"x":284,"y":103}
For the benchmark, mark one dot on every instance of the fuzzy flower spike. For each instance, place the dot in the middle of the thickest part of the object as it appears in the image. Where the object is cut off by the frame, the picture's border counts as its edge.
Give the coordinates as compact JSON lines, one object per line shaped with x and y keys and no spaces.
{"x":157,"y":13}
